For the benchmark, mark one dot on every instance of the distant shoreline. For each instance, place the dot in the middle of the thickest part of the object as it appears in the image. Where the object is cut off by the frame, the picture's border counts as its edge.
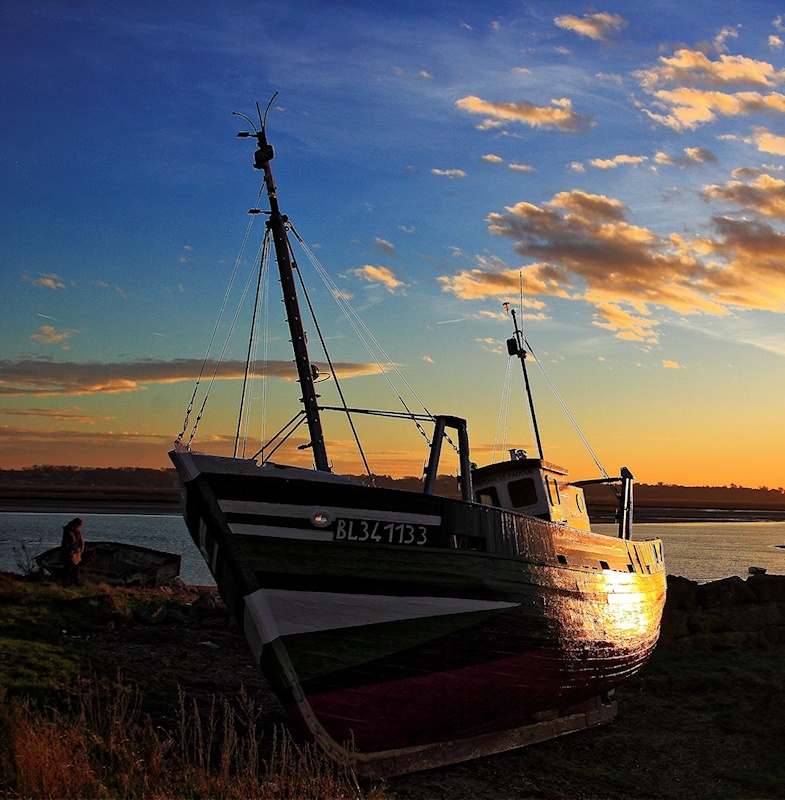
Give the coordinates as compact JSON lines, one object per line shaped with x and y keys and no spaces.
{"x":91,"y":503}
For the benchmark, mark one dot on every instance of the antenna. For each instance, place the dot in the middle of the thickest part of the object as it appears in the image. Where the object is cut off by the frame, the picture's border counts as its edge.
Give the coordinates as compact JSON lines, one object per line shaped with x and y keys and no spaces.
{"x":515,"y":348}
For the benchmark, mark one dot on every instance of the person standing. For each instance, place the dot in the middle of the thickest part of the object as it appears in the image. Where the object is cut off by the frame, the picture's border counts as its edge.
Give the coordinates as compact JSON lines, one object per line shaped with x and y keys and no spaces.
{"x":71,"y":550}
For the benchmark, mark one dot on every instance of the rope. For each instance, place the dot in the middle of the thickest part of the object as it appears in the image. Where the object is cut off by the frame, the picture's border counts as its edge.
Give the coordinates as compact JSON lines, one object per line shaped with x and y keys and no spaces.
{"x":250,"y":360}
{"x":223,"y":353}
{"x":332,"y":370}
{"x":188,"y":411}
{"x":504,"y":409}
{"x":356,"y":322}
{"x":567,"y":411}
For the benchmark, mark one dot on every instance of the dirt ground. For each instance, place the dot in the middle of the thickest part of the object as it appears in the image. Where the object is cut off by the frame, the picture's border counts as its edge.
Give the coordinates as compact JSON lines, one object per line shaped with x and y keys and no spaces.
{"x":691,"y":725}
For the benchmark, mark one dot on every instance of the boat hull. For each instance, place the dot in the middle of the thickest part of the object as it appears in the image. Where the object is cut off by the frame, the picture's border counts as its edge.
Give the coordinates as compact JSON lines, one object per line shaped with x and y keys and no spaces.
{"x":117,"y":564}
{"x":405,"y":630}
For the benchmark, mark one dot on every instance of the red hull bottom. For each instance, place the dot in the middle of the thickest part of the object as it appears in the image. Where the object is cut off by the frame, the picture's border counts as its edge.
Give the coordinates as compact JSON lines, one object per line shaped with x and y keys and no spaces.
{"x":461,"y":704}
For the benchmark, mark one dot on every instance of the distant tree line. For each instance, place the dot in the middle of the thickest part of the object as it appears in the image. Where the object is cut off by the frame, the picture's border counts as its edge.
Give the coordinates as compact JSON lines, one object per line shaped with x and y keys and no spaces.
{"x":660,"y":494}
{"x":58,"y":476}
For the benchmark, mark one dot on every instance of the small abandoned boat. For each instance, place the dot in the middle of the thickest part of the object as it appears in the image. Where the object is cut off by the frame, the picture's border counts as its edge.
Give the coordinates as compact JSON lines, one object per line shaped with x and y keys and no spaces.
{"x":117,"y":564}
{"x":403,"y":630}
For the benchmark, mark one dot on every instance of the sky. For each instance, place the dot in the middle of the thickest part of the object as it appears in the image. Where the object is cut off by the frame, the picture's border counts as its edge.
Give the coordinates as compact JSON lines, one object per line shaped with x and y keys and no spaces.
{"x":615,"y":171}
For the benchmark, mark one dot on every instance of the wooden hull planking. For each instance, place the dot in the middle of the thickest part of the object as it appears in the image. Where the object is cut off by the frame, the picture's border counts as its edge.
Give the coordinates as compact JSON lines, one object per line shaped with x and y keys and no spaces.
{"x":398,"y":654}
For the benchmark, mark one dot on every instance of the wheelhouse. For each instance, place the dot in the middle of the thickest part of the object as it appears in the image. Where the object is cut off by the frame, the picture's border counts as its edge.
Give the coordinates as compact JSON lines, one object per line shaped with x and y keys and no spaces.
{"x":531,"y":486}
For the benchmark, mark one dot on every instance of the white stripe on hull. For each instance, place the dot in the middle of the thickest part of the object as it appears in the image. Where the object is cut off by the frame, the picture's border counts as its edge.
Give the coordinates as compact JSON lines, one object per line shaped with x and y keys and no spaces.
{"x":293,"y":511}
{"x":279,"y":612}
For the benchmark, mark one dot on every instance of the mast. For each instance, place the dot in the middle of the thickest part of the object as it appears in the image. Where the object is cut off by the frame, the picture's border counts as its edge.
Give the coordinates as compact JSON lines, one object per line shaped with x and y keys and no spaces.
{"x":276,"y":224}
{"x":515,"y":348}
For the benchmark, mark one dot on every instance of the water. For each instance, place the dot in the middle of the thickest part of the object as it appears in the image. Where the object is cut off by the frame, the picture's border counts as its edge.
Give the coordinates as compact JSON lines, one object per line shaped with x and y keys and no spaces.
{"x":39,"y":532}
{"x":707,"y":551}
{"x":702,"y":551}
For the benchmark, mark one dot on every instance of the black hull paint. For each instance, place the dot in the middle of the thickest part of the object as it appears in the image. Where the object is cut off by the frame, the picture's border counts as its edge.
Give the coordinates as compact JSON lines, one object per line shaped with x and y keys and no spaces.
{"x":495,"y":624}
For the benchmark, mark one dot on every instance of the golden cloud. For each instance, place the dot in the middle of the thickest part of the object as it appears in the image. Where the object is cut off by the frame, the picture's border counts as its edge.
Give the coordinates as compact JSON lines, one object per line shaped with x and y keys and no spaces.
{"x":695,"y":68}
{"x":46,"y":279}
{"x":690,"y":89}
{"x":48,"y":335}
{"x":382,"y":275}
{"x":598,"y":26}
{"x":44,"y":378}
{"x":767,"y":142}
{"x":763,"y":195}
{"x":558,"y":115}
{"x":583,"y":247}
{"x":612,"y":163}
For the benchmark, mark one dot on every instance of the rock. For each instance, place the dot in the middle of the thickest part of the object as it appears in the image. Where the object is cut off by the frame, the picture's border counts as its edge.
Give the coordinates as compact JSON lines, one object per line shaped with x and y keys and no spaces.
{"x":704,"y":622}
{"x":728,"y":591}
{"x":682,"y":593}
{"x":767,"y":587}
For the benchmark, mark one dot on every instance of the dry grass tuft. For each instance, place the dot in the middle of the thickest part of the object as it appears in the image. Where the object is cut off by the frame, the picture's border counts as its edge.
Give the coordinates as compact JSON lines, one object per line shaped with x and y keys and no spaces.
{"x":100,"y":745}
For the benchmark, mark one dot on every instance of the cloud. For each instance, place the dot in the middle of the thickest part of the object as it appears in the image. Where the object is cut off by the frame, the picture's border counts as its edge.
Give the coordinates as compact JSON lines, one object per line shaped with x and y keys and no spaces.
{"x":598,"y":26}
{"x":46,"y":279}
{"x":59,"y":415}
{"x":671,"y":364}
{"x":767,"y":142}
{"x":694,"y":68}
{"x":582,"y":247}
{"x":763,"y":195}
{"x":386,"y":247}
{"x":521,"y":167}
{"x":450,"y":173}
{"x":47,"y":378}
{"x":48,"y":335}
{"x":775,"y":43}
{"x":378,"y":275}
{"x":612,"y":163}
{"x":492,"y":159}
{"x":558,"y":115}
{"x":690,"y":89}
{"x":692,"y":156}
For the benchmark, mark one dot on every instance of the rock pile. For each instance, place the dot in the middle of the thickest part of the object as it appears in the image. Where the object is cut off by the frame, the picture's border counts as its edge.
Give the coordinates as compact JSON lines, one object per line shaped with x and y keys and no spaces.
{"x":727,"y":613}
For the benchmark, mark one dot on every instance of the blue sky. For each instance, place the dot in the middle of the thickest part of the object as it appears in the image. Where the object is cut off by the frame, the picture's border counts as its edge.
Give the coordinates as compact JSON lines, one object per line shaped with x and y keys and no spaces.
{"x":623,"y":162}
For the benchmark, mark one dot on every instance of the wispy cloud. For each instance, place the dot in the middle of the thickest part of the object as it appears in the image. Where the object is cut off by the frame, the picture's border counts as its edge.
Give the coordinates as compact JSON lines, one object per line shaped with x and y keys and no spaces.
{"x":612,"y":163}
{"x":44,"y":378}
{"x":450,"y":173}
{"x":559,"y":115}
{"x":584,"y":248}
{"x":48,"y":280}
{"x":388,"y":248}
{"x":690,"y":89}
{"x":598,"y":26}
{"x":74,"y":414}
{"x":691,"y":157}
{"x":383,"y":276}
{"x":47,"y":334}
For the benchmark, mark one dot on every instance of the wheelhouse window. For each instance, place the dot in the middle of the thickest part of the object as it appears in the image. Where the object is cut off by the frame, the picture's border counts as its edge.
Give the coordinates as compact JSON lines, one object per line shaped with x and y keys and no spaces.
{"x":488,"y":496}
{"x":553,"y":490}
{"x":523,"y":492}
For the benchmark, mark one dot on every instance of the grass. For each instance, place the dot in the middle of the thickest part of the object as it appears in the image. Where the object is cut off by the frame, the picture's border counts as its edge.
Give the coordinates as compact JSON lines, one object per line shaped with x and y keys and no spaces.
{"x":692,"y":724}
{"x":99,"y":744}
{"x":63,"y":735}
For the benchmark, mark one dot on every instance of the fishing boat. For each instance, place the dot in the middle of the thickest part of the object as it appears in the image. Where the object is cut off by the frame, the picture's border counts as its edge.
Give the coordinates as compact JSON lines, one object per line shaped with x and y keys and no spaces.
{"x":402,"y":629}
{"x":118,"y":564}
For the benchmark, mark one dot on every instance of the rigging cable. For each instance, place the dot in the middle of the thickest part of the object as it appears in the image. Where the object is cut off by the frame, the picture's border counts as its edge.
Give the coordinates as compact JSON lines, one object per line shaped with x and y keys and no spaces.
{"x":354,"y":320}
{"x":188,"y":411}
{"x":220,"y":358}
{"x":567,"y":411}
{"x":332,"y":369}
{"x":250,"y":357}
{"x":504,"y":409}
